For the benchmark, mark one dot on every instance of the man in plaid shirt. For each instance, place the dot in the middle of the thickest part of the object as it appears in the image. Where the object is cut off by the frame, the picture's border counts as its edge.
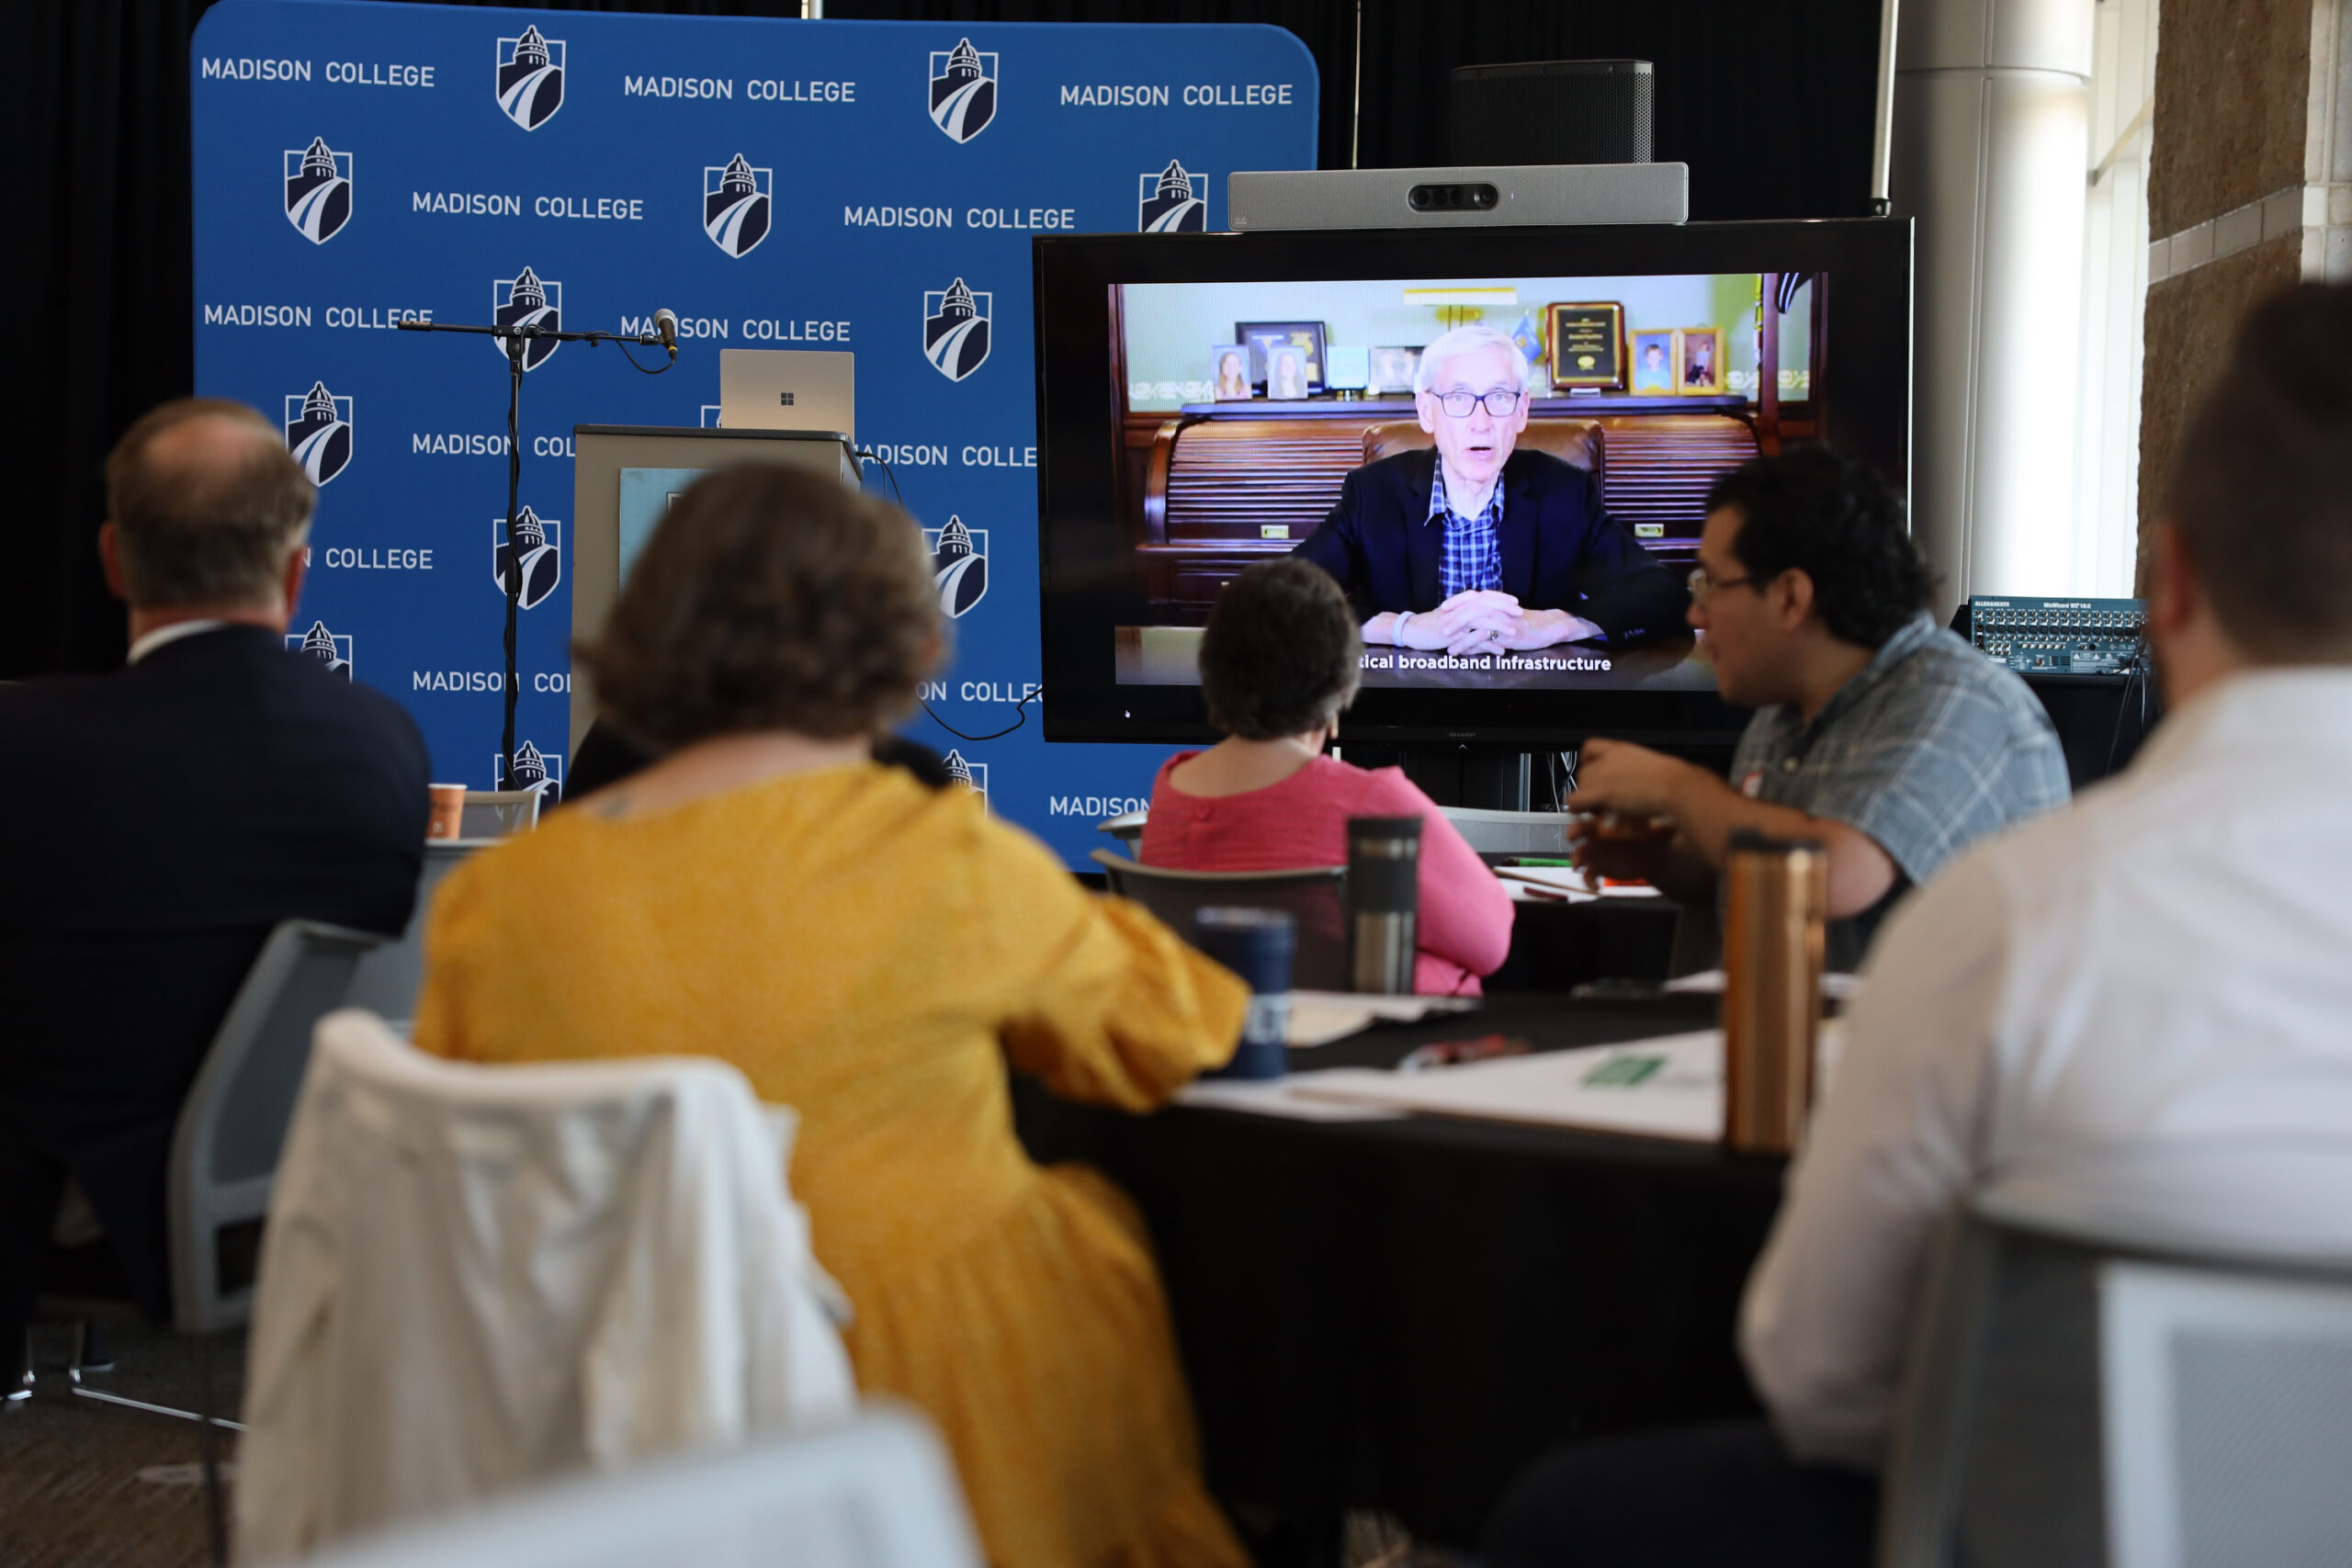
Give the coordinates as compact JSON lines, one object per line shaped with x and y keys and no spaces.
{"x":1886,"y":738}
{"x":1475,"y":547}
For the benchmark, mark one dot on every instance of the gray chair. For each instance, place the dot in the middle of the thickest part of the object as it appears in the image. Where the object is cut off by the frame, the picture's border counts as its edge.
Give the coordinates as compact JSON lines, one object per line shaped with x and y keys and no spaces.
{"x":877,"y":1492}
{"x":2033,"y":1339}
{"x":390,"y":974}
{"x":1127,"y":829}
{"x":1509,"y":832}
{"x":1315,"y":894}
{"x":223,"y":1159}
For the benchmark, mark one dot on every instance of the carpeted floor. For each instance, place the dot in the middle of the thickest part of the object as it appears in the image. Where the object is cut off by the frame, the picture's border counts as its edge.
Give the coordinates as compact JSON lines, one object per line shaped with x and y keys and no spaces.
{"x":89,"y":1486}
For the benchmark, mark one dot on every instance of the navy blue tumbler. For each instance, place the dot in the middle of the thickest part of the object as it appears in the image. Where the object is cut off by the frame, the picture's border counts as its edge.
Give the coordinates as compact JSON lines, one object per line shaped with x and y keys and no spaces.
{"x":1256,"y":945}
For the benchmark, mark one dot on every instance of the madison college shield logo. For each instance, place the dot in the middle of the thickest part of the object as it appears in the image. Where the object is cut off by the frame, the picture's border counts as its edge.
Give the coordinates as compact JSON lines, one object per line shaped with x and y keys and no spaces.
{"x":955,"y":330}
{"x":318,"y":190}
{"x":322,"y":644}
{"x":973,"y":776}
{"x":530,"y":78}
{"x":735,"y":204}
{"x":533,"y":768}
{"x":1165,"y":203}
{"x":959,"y":565}
{"x":963,"y":90}
{"x":318,"y":432}
{"x":517,"y":300}
{"x":538,"y":548}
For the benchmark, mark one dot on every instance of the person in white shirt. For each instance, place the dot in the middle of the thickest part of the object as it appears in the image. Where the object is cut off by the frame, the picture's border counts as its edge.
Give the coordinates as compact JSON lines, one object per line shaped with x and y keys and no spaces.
{"x":2129,"y":1014}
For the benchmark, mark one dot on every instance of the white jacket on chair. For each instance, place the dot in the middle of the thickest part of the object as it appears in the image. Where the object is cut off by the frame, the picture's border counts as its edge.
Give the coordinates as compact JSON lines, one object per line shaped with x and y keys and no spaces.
{"x":477,"y":1278}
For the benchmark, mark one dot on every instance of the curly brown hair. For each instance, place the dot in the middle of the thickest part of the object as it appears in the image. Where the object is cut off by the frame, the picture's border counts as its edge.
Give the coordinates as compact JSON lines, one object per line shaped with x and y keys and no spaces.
{"x":768,"y":599}
{"x":1282,"y":653}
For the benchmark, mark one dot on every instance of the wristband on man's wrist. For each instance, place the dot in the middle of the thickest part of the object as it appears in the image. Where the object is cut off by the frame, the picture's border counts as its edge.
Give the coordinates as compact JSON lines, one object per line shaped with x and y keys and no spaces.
{"x":1396,"y":629}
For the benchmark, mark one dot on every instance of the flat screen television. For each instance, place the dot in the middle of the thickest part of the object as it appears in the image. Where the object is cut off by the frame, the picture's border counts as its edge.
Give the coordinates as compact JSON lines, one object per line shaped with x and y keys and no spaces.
{"x":1203,"y":400}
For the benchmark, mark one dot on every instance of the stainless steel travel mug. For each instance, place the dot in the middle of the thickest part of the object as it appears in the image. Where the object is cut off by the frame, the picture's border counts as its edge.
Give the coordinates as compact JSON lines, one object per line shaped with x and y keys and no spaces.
{"x":1384,"y":901}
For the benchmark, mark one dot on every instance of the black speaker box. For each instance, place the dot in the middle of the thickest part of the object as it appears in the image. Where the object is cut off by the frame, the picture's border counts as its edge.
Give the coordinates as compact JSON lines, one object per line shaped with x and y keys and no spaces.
{"x":1552,"y":111}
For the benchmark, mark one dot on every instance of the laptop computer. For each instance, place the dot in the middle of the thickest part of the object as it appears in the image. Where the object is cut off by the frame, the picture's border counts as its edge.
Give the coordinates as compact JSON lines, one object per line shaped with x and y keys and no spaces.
{"x":787,"y":389}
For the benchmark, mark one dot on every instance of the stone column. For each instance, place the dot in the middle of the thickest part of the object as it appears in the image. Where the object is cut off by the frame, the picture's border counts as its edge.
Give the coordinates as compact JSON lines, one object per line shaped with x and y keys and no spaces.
{"x":2249,"y":189}
{"x":1992,"y":115}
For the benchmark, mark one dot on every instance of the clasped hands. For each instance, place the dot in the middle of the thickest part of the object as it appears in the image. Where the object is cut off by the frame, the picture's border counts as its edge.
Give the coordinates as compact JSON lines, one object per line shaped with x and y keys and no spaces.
{"x":1482,"y":621}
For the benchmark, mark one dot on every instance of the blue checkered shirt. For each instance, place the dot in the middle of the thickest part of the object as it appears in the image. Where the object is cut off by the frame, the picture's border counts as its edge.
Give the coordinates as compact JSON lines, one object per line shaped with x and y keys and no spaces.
{"x":1473,"y":550}
{"x":1928,"y":750}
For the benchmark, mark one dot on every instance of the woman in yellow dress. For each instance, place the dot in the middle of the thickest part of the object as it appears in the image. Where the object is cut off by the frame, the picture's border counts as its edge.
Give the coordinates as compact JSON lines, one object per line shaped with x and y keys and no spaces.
{"x":870,"y":952}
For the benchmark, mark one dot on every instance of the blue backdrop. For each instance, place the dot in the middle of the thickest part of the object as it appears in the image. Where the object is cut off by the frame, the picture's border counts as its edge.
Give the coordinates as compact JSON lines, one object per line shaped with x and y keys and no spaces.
{"x":778,"y":183}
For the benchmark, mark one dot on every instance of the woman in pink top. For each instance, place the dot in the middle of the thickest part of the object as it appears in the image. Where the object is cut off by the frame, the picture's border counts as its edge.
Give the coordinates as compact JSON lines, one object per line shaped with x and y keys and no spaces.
{"x":1278,"y":663}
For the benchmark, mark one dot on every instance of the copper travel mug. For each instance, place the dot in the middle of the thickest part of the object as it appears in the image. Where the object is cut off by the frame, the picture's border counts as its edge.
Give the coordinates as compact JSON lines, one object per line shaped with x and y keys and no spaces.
{"x":1776,"y":903}
{"x":1383,"y":902}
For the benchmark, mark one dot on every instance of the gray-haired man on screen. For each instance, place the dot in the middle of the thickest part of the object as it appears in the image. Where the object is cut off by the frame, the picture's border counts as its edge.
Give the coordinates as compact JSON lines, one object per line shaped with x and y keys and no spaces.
{"x":1476,"y":547}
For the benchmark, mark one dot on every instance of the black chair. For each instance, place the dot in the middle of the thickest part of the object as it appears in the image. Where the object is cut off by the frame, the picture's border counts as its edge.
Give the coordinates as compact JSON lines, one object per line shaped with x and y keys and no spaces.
{"x":2081,"y":1397}
{"x":224,"y":1161}
{"x":1316,"y":896}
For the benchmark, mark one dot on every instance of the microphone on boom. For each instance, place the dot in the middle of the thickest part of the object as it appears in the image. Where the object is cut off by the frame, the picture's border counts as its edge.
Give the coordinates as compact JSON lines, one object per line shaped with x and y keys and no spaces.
{"x":666,"y":323}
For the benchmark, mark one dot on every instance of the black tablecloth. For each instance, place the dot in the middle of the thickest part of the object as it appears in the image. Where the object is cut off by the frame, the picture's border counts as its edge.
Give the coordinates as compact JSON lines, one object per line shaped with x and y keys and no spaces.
{"x":1400,"y":1315}
{"x":1559,"y":946}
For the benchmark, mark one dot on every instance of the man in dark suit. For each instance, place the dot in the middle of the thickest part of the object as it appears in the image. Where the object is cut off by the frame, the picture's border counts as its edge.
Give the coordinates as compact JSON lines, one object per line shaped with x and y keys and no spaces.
{"x":1476,"y":548}
{"x":162,"y":820}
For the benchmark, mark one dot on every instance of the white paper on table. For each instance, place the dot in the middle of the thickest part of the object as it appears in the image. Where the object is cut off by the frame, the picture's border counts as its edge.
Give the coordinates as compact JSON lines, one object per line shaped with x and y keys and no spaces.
{"x":1837,"y":985}
{"x":1559,"y":879}
{"x":1682,"y":1098}
{"x":1318,"y":1018}
{"x":1276,"y":1097}
{"x":1551,"y":878}
{"x":1529,"y":893}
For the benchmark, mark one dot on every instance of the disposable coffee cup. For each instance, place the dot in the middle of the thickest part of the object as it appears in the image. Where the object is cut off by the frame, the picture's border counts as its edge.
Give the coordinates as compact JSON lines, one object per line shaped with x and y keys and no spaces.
{"x":448,"y":818}
{"x":1258,"y":945}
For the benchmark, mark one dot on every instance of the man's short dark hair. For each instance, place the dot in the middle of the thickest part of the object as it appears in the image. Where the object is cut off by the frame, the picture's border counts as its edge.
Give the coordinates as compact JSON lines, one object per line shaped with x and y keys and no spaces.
{"x":1821,"y":512}
{"x":2261,"y":484}
{"x":210,"y":530}
{"x":1281,"y":652}
{"x":768,"y":598}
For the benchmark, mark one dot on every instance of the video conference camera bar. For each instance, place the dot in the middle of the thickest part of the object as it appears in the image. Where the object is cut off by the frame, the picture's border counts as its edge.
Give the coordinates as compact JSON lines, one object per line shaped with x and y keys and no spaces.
{"x":1522,"y":196}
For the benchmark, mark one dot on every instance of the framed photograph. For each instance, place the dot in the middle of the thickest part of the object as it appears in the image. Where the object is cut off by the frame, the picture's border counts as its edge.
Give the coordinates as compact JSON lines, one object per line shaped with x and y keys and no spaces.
{"x":1229,"y":373}
{"x":1653,"y":362}
{"x":1286,"y":358}
{"x":1586,"y":344}
{"x":1393,"y":370}
{"x":1347,"y":371}
{"x":1699,"y":361}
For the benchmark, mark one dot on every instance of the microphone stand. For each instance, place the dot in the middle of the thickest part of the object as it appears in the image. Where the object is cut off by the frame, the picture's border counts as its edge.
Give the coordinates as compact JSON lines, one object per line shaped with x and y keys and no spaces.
{"x":518,"y":341}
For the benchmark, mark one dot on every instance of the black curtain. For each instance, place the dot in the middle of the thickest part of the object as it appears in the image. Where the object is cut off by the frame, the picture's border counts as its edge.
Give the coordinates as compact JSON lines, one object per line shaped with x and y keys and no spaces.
{"x":1769,"y":101}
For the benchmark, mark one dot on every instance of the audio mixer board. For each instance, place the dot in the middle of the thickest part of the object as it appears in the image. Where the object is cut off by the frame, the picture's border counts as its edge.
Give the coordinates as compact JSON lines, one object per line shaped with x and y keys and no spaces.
{"x":2059,"y":636}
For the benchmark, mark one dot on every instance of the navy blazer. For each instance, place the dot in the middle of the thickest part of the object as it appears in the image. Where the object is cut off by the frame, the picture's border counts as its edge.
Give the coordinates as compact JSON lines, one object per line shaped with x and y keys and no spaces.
{"x":1561,"y":549}
{"x":161,"y":820}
